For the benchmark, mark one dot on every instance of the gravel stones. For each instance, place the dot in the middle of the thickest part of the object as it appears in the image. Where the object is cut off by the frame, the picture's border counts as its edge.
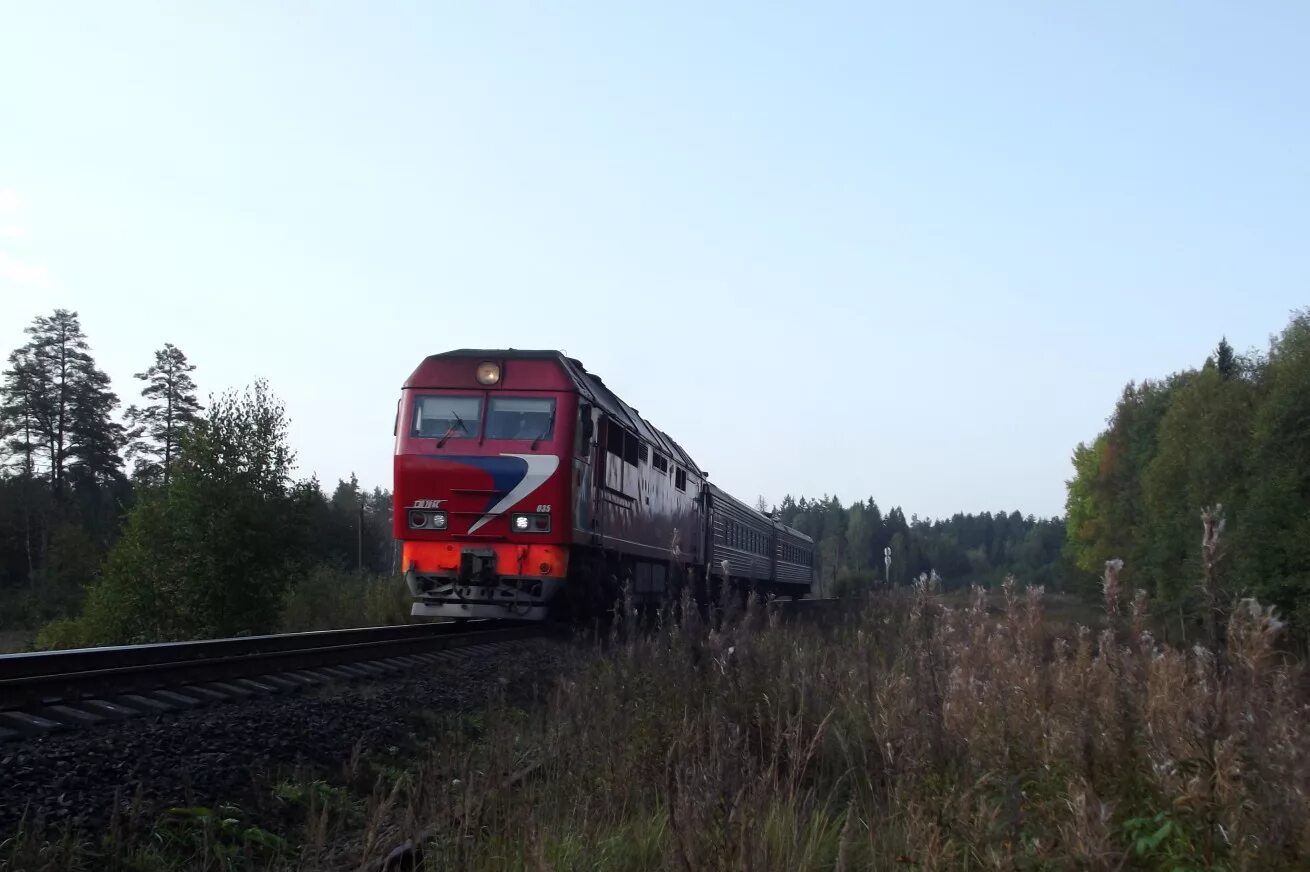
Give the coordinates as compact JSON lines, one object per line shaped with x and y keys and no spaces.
{"x":219,"y":753}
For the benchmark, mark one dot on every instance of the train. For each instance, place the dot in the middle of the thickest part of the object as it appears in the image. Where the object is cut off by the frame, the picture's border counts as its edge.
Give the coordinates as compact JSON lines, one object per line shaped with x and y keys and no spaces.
{"x":525,"y":489}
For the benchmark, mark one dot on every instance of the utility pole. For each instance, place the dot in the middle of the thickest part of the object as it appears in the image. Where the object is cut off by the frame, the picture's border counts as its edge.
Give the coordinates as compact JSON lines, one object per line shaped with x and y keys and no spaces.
{"x":887,"y":561}
{"x":359,"y":540}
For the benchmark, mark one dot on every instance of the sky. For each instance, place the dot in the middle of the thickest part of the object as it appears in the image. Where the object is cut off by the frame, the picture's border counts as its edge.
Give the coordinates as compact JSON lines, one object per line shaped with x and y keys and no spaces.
{"x":908,"y":251}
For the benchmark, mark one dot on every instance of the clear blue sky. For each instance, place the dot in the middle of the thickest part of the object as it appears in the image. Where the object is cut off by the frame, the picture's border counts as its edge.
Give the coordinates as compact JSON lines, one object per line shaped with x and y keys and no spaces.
{"x":905,"y":251}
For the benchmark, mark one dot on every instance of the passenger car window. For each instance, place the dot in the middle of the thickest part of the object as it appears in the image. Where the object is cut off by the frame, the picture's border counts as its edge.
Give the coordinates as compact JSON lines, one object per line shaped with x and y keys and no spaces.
{"x":520,"y":418}
{"x":450,"y":416}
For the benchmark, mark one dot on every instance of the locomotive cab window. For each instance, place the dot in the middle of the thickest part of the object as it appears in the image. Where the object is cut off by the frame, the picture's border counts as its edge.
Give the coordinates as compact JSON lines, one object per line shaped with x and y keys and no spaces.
{"x":660,"y":462}
{"x":630,"y":443}
{"x":449,"y":417}
{"x":520,"y":418}
{"x":680,"y":479}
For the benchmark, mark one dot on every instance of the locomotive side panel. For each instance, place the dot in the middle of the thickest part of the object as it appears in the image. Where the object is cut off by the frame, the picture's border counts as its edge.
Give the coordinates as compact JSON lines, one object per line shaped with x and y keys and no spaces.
{"x":645,"y":504}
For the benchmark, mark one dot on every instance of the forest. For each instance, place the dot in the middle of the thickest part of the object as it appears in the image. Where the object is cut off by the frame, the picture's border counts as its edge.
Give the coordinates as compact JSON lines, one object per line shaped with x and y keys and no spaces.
{"x":982,"y":548}
{"x":166,"y":519}
{"x":1231,"y":436}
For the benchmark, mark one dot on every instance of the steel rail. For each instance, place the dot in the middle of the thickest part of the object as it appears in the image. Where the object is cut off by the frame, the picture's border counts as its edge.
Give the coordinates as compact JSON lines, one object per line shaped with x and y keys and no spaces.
{"x":78,"y":659}
{"x":45,"y":678}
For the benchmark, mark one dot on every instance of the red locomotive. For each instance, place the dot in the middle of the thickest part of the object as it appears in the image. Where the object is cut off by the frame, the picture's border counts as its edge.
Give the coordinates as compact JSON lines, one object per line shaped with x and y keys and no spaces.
{"x":524,"y":485}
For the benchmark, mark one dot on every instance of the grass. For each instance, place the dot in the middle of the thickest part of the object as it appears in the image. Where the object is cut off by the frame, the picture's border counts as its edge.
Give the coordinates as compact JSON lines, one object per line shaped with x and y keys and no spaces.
{"x":331,"y":599}
{"x":919,"y":732}
{"x":914,"y":735}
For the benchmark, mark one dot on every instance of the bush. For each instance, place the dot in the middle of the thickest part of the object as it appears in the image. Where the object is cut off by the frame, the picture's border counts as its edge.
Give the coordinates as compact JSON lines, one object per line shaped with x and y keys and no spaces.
{"x":212,"y":554}
{"x":329,"y":599}
{"x":852,"y":582}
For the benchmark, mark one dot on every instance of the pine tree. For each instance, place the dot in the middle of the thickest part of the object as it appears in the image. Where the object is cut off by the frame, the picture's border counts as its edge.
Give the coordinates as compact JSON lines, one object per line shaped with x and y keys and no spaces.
{"x":20,"y":429}
{"x":63,"y":404}
{"x":172,"y":407}
{"x":1225,"y":360}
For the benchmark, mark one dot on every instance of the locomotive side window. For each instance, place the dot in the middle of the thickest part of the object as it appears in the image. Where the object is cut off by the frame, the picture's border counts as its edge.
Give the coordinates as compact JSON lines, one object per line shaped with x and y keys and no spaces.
{"x":642,"y":452}
{"x":660,"y":462}
{"x":613,"y":437}
{"x":437,"y":417}
{"x":680,"y":479}
{"x":630,"y":449}
{"x":520,"y":418}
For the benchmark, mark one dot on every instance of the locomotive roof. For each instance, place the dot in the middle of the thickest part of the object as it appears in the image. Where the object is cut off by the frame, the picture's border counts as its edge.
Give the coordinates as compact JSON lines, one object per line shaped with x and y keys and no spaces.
{"x":593,"y":389}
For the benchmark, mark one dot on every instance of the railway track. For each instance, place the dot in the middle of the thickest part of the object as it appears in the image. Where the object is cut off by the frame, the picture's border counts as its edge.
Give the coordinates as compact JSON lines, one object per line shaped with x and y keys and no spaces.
{"x":58,"y":690}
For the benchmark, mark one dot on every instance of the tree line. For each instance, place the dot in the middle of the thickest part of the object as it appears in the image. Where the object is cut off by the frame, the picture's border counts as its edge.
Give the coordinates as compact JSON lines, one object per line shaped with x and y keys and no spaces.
{"x":1232,"y":436}
{"x":172,"y":519}
{"x":851,"y":542}
{"x":160,"y":520}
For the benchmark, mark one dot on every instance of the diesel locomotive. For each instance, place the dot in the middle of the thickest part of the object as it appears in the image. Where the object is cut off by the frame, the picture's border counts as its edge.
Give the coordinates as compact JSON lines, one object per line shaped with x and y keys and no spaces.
{"x":525,"y":488}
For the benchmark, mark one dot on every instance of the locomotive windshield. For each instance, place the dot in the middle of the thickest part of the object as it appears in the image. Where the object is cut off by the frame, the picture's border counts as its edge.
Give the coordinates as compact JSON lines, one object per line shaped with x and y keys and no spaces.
{"x":520,"y":418}
{"x":447,"y":417}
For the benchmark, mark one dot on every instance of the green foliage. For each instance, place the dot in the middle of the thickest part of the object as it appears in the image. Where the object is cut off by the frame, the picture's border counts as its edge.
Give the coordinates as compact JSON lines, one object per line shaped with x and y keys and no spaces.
{"x":209,"y":535}
{"x":1275,"y":562}
{"x":212,"y":554}
{"x":328,"y":598}
{"x":965,"y":547}
{"x":61,"y":481}
{"x":59,"y":405}
{"x":1235,"y":432}
{"x":1164,"y":843}
{"x":219,"y":836}
{"x":305,"y":793}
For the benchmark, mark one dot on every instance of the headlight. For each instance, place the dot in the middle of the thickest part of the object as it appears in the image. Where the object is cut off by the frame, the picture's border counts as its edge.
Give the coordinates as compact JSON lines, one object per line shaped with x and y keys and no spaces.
{"x":488,"y":373}
{"x":538,"y":522}
{"x":427,"y":520}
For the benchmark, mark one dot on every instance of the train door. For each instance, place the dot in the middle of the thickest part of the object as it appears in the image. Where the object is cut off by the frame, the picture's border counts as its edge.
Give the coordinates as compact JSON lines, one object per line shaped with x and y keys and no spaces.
{"x":588,"y":460}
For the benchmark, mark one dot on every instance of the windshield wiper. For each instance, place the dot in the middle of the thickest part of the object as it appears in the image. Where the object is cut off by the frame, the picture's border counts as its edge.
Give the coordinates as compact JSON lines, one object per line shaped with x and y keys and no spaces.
{"x":459,"y":422}
{"x":550,"y":422}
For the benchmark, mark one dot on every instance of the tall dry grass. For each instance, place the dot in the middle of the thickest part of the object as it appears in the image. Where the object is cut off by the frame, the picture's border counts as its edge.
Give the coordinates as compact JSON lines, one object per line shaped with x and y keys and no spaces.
{"x":911,"y":735}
